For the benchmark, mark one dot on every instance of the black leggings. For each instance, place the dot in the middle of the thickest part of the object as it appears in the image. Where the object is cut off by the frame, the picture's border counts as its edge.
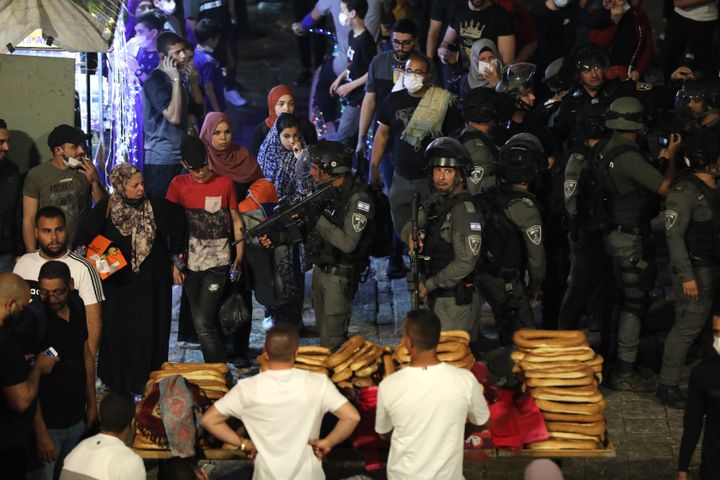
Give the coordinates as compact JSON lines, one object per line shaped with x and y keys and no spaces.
{"x":682,"y":33}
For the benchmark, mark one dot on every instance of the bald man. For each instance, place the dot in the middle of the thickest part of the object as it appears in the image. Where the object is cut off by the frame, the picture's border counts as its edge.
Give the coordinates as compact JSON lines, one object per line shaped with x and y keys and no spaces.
{"x":18,"y":388}
{"x":282,"y":409}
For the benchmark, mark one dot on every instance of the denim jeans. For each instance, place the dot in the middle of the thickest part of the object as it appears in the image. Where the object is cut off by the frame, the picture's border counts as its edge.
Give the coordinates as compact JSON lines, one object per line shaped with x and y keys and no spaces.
{"x":65,"y":440}
{"x":204,"y":292}
{"x":158,"y":178}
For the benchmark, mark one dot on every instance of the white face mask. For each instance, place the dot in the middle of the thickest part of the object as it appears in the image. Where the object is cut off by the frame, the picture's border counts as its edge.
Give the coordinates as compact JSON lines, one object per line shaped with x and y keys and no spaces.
{"x":561,"y":3}
{"x":168,"y":8}
{"x":716,"y":345}
{"x":343,"y":19}
{"x":412,"y":82}
{"x":71,"y":162}
{"x":484,"y":67}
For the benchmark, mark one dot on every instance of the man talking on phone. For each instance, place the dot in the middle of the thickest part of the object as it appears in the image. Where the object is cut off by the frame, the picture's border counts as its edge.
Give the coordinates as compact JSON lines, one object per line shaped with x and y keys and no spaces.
{"x":170,"y":94}
{"x":68,"y":181}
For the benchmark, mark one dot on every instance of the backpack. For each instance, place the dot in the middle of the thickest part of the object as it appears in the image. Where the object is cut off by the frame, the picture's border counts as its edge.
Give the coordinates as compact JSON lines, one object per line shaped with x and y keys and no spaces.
{"x":594,"y":186}
{"x":501,"y":246}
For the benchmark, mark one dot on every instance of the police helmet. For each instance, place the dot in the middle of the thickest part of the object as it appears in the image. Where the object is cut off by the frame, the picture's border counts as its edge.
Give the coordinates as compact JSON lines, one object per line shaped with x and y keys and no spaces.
{"x":480,"y":105}
{"x":332,"y":157}
{"x":556,"y":77}
{"x":626,"y":114}
{"x":449,"y":153}
{"x":520,"y":159}
{"x":517,"y":79}
{"x":700,"y":152}
{"x":590,"y":56}
{"x":706,"y":90}
{"x":591,"y":121}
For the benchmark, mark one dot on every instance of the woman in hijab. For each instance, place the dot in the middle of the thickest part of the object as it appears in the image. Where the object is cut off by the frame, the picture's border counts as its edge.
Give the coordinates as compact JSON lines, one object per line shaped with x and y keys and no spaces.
{"x":278,"y":159}
{"x":281,"y":100}
{"x":136,"y":312}
{"x":237,"y":163}
{"x":226,"y":158}
{"x":485,"y":67}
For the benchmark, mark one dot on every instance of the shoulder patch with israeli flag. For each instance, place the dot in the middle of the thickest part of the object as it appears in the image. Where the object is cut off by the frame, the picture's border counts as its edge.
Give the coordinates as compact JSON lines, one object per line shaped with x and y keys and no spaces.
{"x":363,"y":206}
{"x":358,"y":222}
{"x":570,"y":187}
{"x":670,"y":218}
{"x":475,"y":227}
{"x":534,"y":233}
{"x":474,"y":242}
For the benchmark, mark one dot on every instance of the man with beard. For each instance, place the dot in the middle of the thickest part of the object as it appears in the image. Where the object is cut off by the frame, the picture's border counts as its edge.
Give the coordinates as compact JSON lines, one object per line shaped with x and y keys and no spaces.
{"x":18,"y":388}
{"x":51,"y":236}
{"x":384,"y":72}
{"x":408,"y":121}
{"x":452,"y":237}
{"x":67,"y":402}
{"x":11,"y":244}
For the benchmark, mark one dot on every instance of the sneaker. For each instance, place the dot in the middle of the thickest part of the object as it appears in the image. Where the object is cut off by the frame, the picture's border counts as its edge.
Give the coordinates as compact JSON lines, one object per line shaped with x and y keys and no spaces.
{"x":234,"y":97}
{"x":671,"y":396}
{"x":303,"y":78}
{"x":632,"y":381}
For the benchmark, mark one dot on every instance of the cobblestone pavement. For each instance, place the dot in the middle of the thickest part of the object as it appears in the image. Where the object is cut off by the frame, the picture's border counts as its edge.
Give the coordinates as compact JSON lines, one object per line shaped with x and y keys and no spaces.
{"x":646,"y":435}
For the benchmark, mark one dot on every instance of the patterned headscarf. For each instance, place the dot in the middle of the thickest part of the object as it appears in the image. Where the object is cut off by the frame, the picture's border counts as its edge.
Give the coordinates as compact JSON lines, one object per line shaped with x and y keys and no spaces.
{"x":135,"y":220}
{"x":278,"y":164}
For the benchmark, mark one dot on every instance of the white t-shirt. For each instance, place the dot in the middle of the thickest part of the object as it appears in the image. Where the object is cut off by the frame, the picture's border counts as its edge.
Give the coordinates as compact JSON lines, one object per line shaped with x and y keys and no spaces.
{"x":282,"y":410}
{"x":701,"y":13}
{"x":87,"y":281}
{"x":103,"y":457}
{"x":427,"y":408}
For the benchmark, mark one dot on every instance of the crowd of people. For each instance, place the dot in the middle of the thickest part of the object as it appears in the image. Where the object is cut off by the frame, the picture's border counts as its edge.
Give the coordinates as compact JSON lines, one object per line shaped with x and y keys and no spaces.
{"x":516,"y":146}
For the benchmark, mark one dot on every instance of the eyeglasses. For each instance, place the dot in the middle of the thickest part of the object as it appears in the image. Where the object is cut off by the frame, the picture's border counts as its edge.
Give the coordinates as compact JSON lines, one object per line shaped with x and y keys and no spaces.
{"x":591,"y":68}
{"x":403,"y":43}
{"x":410,"y":71}
{"x":57,"y":293}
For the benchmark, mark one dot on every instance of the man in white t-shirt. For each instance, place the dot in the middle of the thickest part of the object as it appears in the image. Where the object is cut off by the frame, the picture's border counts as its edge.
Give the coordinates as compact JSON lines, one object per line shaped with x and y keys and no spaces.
{"x":105,"y":455}
{"x":426,"y":406}
{"x":51,"y":236}
{"x":282,"y":409}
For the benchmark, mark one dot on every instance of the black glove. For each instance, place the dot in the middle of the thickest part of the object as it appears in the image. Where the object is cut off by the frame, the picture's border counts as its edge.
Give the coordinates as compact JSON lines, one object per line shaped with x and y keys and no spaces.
{"x":311,"y":215}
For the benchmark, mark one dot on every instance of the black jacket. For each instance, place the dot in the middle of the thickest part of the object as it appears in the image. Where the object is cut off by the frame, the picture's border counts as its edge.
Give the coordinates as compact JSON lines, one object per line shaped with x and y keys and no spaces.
{"x":10,"y":209}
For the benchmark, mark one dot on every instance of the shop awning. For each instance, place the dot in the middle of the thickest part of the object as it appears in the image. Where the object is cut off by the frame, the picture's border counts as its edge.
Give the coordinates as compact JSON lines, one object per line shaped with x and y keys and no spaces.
{"x":73,"y":25}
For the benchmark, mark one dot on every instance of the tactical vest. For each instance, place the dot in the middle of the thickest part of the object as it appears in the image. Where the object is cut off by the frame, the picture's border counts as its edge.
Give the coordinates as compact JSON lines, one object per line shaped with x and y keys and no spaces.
{"x":441,"y":252}
{"x":321,"y":252}
{"x":703,"y":238}
{"x":635,"y":207}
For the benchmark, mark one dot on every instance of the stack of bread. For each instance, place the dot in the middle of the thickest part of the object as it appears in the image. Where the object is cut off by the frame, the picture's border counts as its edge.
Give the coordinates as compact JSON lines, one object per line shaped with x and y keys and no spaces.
{"x":453,"y":349}
{"x":562,"y":373}
{"x":210,"y":377}
{"x":311,"y":358}
{"x":360,"y":363}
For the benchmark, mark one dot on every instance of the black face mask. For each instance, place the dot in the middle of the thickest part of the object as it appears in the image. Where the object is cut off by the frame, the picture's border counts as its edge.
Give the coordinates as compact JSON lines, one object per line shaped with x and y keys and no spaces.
{"x":133,"y":202}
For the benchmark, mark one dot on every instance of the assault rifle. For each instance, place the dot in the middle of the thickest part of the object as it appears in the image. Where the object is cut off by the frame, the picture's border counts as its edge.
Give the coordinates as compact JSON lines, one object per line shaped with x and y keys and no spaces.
{"x":414,"y":274}
{"x":289,"y":215}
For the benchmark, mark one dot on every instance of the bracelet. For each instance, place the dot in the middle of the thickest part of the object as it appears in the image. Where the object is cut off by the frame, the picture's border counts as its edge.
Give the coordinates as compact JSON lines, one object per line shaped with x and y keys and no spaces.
{"x":175,"y":80}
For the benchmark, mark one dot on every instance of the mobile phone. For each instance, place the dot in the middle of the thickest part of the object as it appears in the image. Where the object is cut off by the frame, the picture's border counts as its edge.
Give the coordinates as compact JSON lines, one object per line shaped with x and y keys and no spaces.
{"x":664,"y":140}
{"x":50,"y":352}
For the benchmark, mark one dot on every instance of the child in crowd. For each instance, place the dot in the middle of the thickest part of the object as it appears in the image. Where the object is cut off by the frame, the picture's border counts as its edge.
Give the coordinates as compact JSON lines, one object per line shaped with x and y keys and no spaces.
{"x":210,"y":76}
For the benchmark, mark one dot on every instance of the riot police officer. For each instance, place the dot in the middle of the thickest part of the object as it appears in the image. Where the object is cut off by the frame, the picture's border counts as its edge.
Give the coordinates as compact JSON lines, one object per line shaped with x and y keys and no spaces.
{"x":697,"y":109}
{"x":590,"y":285}
{"x":480,"y":107}
{"x":337,"y":238}
{"x":633,"y":185}
{"x":692,"y":224}
{"x":593,"y":88}
{"x":513,"y":236}
{"x":452,"y":237}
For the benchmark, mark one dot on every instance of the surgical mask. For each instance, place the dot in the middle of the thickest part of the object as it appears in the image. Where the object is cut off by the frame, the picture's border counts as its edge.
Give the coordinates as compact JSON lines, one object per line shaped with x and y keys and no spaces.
{"x":484,"y":67}
{"x":561,"y":3}
{"x":412,"y":82}
{"x":141,"y":39}
{"x":71,"y":162}
{"x":716,"y":345}
{"x":343,"y":19}
{"x":168,"y":8}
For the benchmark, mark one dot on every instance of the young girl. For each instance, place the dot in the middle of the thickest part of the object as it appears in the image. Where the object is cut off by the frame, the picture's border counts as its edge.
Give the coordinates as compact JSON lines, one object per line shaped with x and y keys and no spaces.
{"x":278,"y":159}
